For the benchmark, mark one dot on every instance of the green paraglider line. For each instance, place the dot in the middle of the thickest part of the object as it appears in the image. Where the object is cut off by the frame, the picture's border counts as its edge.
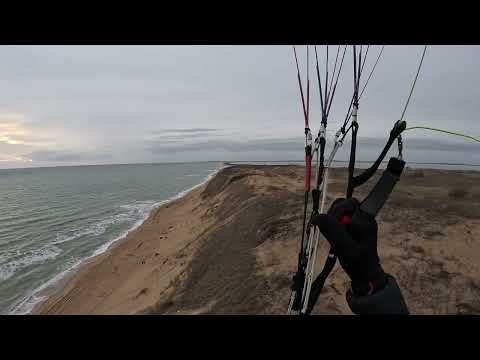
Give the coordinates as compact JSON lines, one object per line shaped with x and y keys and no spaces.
{"x":444,"y":131}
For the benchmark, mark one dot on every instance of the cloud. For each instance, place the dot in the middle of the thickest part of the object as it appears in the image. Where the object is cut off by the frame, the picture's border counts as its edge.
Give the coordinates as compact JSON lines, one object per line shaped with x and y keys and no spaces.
{"x":229,"y":146}
{"x":175,"y":135}
{"x":14,"y":158}
{"x":297,"y":145}
{"x":188,"y":131}
{"x":423,"y":144}
{"x":14,"y":130}
{"x":182,"y":137}
{"x":66,"y":156}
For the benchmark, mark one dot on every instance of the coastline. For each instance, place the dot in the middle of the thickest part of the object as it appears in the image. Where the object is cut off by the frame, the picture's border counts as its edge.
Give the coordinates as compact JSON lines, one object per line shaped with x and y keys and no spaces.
{"x":39,"y":295}
{"x":237,"y":253}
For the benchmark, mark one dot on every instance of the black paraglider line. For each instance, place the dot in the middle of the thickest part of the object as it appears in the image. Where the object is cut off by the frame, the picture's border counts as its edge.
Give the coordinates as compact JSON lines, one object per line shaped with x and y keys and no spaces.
{"x":326,"y":97}
{"x":354,"y":182}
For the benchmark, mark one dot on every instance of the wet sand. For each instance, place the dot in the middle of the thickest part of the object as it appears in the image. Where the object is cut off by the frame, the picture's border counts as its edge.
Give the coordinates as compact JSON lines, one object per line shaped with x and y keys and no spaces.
{"x":230,"y":247}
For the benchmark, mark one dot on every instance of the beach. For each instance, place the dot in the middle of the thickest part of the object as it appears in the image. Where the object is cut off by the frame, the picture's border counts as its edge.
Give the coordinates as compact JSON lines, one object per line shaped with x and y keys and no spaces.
{"x":230,"y":246}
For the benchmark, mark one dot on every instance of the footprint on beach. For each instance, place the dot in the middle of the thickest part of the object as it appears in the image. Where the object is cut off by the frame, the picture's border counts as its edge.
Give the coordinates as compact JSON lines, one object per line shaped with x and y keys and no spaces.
{"x":142,"y":292}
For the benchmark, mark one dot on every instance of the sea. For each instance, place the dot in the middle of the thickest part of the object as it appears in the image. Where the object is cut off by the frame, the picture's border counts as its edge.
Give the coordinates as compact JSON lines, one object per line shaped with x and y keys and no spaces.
{"x":52,"y":219}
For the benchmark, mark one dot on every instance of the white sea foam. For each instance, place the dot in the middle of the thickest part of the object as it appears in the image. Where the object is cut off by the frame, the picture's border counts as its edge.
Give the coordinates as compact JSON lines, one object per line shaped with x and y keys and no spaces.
{"x":28,"y":303}
{"x":134,"y":211}
{"x":33,"y":298}
{"x":31,"y":257}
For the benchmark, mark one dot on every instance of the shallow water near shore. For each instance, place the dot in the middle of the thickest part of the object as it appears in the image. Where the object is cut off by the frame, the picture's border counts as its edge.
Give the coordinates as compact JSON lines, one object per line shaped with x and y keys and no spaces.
{"x":52,"y":218}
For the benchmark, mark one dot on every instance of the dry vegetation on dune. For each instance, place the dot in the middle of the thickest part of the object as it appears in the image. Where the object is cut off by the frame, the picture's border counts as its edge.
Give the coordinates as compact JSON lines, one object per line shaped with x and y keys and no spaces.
{"x":429,"y":239}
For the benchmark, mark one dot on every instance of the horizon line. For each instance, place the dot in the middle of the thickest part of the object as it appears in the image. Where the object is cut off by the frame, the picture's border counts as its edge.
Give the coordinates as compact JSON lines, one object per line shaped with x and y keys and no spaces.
{"x":229,"y":162}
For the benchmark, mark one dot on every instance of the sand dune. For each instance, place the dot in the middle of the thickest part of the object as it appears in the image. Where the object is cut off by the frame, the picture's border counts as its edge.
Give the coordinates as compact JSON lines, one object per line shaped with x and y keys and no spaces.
{"x":230,"y":247}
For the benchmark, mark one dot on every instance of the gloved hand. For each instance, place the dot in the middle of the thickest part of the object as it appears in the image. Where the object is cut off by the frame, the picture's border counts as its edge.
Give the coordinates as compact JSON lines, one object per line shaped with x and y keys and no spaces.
{"x":355,"y":244}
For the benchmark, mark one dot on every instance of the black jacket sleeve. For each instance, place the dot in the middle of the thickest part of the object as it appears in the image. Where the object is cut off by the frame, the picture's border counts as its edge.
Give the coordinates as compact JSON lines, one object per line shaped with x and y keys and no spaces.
{"x":388,"y":300}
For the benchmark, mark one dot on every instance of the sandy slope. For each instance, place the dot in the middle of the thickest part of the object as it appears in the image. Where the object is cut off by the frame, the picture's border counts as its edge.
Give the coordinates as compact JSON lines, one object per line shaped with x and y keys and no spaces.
{"x":138,"y":271}
{"x":230,"y":247}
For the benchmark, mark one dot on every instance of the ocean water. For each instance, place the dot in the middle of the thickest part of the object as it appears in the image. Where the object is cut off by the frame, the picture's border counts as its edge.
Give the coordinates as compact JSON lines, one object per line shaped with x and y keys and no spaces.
{"x":53,"y":218}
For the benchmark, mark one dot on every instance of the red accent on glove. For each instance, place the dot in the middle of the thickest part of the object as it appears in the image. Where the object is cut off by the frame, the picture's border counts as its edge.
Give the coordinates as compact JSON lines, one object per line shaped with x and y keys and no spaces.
{"x":345,"y":219}
{"x":370,"y":290}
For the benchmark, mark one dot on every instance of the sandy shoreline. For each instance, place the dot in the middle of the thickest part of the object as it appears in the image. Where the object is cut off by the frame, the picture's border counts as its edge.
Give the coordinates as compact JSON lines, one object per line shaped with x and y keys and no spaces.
{"x":129,"y":252}
{"x":55,"y":286}
{"x":229,"y":247}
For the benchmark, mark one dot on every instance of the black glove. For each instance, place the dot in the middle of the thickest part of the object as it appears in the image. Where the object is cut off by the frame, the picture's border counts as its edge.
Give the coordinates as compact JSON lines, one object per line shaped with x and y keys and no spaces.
{"x":354,"y":243}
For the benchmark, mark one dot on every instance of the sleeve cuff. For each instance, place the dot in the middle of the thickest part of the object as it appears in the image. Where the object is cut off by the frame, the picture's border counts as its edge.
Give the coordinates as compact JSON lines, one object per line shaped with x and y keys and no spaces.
{"x":388,"y":300}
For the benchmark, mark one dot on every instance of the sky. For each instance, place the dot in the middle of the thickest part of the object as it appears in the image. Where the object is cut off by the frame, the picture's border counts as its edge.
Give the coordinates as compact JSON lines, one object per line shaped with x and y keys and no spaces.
{"x":76,"y":105}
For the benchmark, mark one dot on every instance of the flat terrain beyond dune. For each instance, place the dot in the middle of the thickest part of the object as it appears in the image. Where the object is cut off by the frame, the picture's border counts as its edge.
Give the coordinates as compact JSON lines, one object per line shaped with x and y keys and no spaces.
{"x":230,"y":247}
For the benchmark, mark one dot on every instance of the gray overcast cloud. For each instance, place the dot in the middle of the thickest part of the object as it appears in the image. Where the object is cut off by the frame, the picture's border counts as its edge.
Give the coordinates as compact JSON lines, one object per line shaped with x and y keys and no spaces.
{"x":67,"y":105}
